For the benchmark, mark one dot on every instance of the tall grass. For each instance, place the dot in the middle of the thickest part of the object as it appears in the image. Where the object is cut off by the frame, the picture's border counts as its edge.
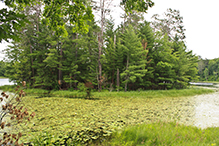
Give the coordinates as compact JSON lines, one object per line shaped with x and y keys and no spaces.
{"x":145,"y":94}
{"x":10,"y":88}
{"x":164,"y":134}
{"x":155,"y":93}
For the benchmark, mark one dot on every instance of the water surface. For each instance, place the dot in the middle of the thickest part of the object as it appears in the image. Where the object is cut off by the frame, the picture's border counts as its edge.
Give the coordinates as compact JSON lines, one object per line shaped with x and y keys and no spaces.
{"x":5,"y":82}
{"x":201,"y":110}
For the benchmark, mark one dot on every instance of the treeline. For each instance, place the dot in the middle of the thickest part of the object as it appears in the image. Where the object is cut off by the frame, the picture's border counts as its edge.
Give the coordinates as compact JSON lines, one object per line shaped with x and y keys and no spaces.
{"x":2,"y":68}
{"x":133,"y":55}
{"x":208,"y":69}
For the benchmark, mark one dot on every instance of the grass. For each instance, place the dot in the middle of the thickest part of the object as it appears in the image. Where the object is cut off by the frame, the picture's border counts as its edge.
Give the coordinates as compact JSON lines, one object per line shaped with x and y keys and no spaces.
{"x":162,"y":133}
{"x":144,"y":94}
{"x":9,"y":88}
{"x":155,"y":93}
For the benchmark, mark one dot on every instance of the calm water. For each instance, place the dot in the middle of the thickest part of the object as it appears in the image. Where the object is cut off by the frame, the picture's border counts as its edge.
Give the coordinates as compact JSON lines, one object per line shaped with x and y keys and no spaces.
{"x":5,"y":82}
{"x":201,"y":111}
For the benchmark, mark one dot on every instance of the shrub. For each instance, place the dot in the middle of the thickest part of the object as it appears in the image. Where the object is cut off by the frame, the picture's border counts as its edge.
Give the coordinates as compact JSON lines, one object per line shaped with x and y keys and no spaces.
{"x":86,"y":87}
{"x":12,"y":115}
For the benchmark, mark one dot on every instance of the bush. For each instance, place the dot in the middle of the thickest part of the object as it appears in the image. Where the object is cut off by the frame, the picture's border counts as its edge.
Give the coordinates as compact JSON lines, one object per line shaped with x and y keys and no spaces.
{"x":12,"y":115}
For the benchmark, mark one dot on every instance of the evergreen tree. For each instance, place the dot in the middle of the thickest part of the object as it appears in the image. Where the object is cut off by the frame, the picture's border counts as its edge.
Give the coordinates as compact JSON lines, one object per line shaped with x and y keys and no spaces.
{"x":135,"y":59}
{"x":185,"y":66}
{"x":109,"y":60}
{"x":206,"y":73}
{"x":2,"y":68}
{"x":163,"y":63}
{"x":148,"y":41}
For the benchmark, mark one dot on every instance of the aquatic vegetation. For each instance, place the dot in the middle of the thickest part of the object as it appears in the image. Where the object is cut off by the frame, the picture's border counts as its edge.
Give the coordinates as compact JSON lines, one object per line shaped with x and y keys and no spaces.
{"x":66,"y":117}
{"x":93,"y":120}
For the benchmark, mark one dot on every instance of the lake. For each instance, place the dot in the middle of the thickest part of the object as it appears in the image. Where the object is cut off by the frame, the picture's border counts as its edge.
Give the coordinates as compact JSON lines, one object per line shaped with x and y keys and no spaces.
{"x":201,"y":110}
{"x":5,"y":82}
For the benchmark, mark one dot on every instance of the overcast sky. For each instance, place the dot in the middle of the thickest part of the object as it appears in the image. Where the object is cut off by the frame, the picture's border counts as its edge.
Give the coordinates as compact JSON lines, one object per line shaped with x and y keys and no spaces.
{"x":200,"y":18}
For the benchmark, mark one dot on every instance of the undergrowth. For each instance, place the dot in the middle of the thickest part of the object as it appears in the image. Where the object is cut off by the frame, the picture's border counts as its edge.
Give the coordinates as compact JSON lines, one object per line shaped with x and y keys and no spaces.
{"x":144,"y":94}
{"x":164,"y":134}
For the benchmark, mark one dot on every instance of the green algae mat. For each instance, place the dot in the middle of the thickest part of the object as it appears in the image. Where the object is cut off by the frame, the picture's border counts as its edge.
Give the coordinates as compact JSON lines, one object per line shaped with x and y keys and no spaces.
{"x":89,"y":120}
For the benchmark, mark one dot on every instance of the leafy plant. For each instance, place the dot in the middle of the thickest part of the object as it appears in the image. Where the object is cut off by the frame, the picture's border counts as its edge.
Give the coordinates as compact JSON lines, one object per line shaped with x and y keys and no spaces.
{"x":86,"y":87}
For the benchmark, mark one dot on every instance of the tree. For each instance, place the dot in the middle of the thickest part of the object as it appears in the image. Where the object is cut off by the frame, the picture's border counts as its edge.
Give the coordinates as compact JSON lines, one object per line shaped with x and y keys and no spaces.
{"x":148,"y":41}
{"x":129,"y":6}
{"x":163,"y":62}
{"x":135,"y":59}
{"x":171,"y":24}
{"x":185,"y":65}
{"x":2,"y":68}
{"x":201,"y":67}
{"x":140,"y":6}
{"x":56,"y":12}
{"x":206,"y":73}
{"x":10,"y":22}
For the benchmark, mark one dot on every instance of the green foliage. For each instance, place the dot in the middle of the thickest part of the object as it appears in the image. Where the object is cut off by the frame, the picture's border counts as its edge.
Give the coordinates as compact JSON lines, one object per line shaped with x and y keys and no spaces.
{"x":11,"y":22}
{"x":52,"y":59}
{"x":206,"y":73}
{"x":107,"y":112}
{"x":141,"y":6}
{"x":143,"y":94}
{"x":208,"y":69}
{"x":133,"y":57}
{"x":86,"y":87}
{"x":164,"y":134}
{"x":2,"y":68}
{"x":136,"y":60}
{"x":58,"y":12}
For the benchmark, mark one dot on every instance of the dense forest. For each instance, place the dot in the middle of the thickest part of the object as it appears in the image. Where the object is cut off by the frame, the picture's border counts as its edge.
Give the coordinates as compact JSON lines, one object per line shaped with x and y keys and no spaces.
{"x":208,"y":69}
{"x":134,"y":55}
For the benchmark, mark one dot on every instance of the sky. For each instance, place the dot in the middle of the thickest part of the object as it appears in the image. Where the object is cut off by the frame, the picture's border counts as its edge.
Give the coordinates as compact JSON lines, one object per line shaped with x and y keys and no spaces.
{"x":200,"y":19}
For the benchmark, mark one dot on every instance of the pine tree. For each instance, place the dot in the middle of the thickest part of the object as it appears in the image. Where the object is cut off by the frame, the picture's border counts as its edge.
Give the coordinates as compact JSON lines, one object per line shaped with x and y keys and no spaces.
{"x":148,"y":41}
{"x":135,"y":59}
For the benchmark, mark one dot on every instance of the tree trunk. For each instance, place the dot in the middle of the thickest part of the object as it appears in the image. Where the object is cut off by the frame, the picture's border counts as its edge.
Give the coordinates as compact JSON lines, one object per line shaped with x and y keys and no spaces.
{"x":126,"y":86}
{"x":114,"y":61}
{"x":100,"y":40}
{"x":97,"y":78}
{"x":76,"y":57}
{"x":100,"y":66}
{"x":31,"y":51}
{"x":70,"y":80}
{"x":60,"y":66}
{"x":126,"y":78}
{"x":118,"y":79}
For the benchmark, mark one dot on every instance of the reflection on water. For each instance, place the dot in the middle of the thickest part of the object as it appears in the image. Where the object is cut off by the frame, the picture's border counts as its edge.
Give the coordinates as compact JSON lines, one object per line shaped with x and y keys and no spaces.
{"x":5,"y":82}
{"x":201,"y":111}
{"x":207,"y":110}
